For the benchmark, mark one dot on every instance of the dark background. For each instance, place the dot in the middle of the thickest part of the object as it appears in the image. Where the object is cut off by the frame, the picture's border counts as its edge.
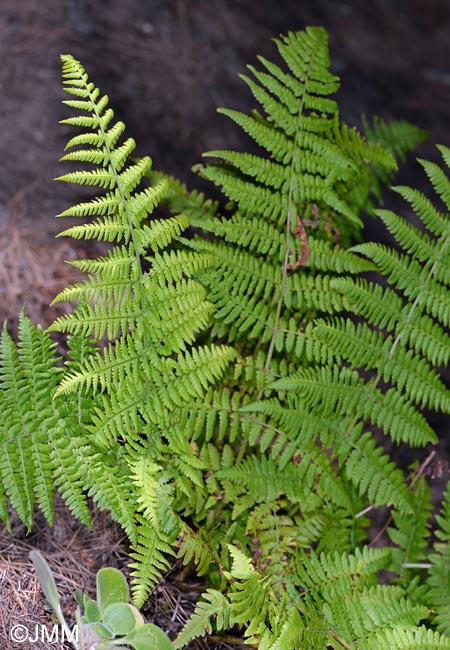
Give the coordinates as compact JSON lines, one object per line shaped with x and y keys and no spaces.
{"x":167,"y":64}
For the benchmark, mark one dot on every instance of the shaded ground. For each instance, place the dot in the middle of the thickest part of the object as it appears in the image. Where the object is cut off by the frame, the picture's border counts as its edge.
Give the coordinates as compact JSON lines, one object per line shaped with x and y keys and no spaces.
{"x":166,"y":65}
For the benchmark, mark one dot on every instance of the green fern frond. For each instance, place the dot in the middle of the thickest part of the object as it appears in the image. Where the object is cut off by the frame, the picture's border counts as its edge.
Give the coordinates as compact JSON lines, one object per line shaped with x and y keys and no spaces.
{"x":118,"y":212}
{"x":141,"y":295}
{"x":439,"y":587}
{"x":150,"y":560}
{"x":69,"y":457}
{"x":145,"y":477}
{"x":173,"y":265}
{"x":403,"y":638}
{"x":365,"y":613}
{"x":249,"y":600}
{"x":194,"y":204}
{"x":197,"y":548}
{"x":365,"y":347}
{"x":439,"y":573}
{"x":294,"y":634}
{"x":262,"y":481}
{"x":323,"y":578}
{"x":432,"y":218}
{"x":326,"y":257}
{"x":215,"y":416}
{"x":396,"y":137}
{"x":276,"y":537}
{"x":341,"y":390}
{"x":37,"y":434}
{"x":162,"y":232}
{"x":412,"y":531}
{"x":375,"y":475}
{"x":249,"y":606}
{"x":213,"y":605}
{"x":255,"y":279}
{"x":385,"y":310}
{"x":402,"y":339}
{"x":110,"y":487}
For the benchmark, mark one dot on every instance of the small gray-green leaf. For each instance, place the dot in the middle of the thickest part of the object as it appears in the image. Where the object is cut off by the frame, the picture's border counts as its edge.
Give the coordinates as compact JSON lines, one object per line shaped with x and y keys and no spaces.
{"x":149,"y":637}
{"x":91,"y":612}
{"x":46,"y":580}
{"x":119,"y":617}
{"x":80,"y":598}
{"x":111,"y":588}
{"x":102,"y":631}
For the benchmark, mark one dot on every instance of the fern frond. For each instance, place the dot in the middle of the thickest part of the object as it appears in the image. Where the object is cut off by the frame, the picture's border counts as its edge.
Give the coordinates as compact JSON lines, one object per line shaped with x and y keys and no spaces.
{"x":249,"y":601}
{"x":402,"y":638}
{"x":38,"y":434}
{"x":69,"y":457}
{"x":385,"y":309}
{"x":197,"y":548}
{"x":110,"y":487}
{"x":439,"y":573}
{"x":162,"y":232}
{"x":365,"y":613}
{"x":151,"y":558}
{"x":118,"y":212}
{"x":212,"y":606}
{"x":326,"y":257}
{"x":325,"y":577}
{"x":340,"y":390}
{"x":255,"y":282}
{"x":411,"y":533}
{"x":375,"y":475}
{"x":410,"y":278}
{"x":262,"y":481}
{"x":173,"y":265}
{"x":396,"y":137}
{"x":365,"y":347}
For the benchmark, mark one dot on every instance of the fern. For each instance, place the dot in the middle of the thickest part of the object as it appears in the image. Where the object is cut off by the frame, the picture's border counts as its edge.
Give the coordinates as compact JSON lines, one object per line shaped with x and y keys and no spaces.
{"x":38,"y":436}
{"x":364,"y":614}
{"x":408,"y":637}
{"x":282,"y":199}
{"x":411,"y":532}
{"x":228,"y":390}
{"x":439,"y":575}
{"x":213,"y":605}
{"x":325,"y":401}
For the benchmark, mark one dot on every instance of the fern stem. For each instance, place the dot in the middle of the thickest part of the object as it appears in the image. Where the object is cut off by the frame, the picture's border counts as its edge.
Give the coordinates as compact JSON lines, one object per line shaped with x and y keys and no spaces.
{"x":288,"y":237}
{"x":340,"y":640}
{"x":215,"y":638}
{"x":420,"y":470}
{"x":364,"y":512}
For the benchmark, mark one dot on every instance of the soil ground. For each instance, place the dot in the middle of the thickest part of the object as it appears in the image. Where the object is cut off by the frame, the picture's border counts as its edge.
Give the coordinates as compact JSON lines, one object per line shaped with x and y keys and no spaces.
{"x":166,"y":66}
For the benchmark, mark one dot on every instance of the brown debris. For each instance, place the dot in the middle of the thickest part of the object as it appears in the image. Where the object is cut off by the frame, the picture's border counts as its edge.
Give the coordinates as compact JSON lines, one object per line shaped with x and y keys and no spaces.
{"x":303,"y":250}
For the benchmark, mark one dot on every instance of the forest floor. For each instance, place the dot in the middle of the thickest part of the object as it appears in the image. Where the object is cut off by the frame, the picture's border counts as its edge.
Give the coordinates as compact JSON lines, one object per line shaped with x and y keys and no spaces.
{"x":166,"y":65}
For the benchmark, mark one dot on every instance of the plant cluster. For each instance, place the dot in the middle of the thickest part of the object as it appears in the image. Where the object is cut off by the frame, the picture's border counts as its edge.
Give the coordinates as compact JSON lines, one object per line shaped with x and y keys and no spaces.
{"x":108,"y":623}
{"x":231,"y":375}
